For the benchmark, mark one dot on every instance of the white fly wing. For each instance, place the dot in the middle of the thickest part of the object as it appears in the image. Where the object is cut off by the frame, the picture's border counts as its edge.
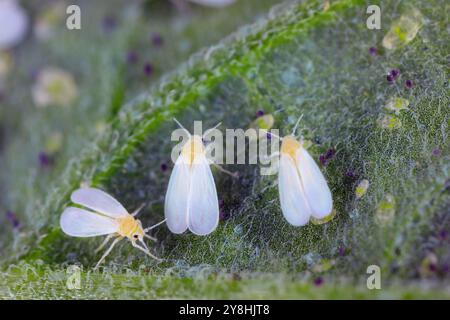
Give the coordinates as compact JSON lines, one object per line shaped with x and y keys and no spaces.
{"x":293,"y":201}
{"x":99,"y":201}
{"x":316,"y":188}
{"x":176,"y":202}
{"x":77,"y":222}
{"x":203,"y":214}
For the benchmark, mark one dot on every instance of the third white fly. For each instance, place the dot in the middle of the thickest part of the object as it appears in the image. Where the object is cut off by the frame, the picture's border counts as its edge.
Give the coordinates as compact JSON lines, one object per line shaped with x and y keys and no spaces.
{"x":303,"y":189}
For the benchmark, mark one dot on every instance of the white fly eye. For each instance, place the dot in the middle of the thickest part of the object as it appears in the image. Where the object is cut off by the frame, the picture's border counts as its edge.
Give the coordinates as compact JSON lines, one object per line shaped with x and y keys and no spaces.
{"x":136,"y":236}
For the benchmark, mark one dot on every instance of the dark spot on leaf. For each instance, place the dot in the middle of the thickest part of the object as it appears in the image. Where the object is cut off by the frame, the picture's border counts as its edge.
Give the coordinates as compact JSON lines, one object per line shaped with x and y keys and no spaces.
{"x":395,"y":73}
{"x":437,"y":152}
{"x":409,"y":84}
{"x":45,"y":160}
{"x":157,"y":40}
{"x":326,"y":157}
{"x":432,"y":267}
{"x":12,"y":218}
{"x":318,"y":281}
{"x":148,"y":69}
{"x":373,"y":51}
{"x":443,"y":235}
{"x":351,"y":174}
{"x":224,"y":215}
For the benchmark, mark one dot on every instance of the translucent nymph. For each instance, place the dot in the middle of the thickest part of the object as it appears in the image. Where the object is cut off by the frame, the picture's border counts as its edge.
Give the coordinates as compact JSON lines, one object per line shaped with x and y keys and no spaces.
{"x":389,"y":122}
{"x":361,"y":189}
{"x":403,"y":30}
{"x":397,"y":104}
{"x":386,"y":210}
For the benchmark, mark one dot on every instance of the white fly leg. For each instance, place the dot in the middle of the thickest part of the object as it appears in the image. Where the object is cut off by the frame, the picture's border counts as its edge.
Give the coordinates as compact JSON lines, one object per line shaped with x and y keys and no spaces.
{"x":268,"y":168}
{"x":211,"y":162}
{"x":273,"y":155}
{"x":232,"y":174}
{"x":150,"y":228}
{"x":150,"y":237}
{"x":145,"y":250}
{"x":108,"y":237}
{"x":107,"y":252}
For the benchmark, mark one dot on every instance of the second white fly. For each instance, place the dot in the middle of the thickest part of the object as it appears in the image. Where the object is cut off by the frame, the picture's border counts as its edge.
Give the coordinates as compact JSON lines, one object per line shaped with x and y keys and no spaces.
{"x":303,"y":190}
{"x":108,"y":217}
{"x":191,"y":199}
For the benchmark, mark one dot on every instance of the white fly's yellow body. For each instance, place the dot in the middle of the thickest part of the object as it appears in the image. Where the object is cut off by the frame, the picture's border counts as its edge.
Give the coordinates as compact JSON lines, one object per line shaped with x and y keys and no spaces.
{"x":191,"y":199}
{"x":108,"y":217}
{"x":304,"y":192}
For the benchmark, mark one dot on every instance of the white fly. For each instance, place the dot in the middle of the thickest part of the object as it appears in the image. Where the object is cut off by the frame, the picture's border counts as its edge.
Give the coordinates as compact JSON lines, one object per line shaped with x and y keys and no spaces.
{"x":191,"y":199}
{"x":104,"y":216}
{"x":303,"y":189}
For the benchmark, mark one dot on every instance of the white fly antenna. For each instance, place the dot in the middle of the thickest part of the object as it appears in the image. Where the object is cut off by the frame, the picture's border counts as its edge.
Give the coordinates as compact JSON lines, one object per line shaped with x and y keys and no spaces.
{"x":136,"y":212}
{"x":154,"y":226}
{"x":296,"y":125}
{"x":181,"y":126}
{"x":211,"y":129}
